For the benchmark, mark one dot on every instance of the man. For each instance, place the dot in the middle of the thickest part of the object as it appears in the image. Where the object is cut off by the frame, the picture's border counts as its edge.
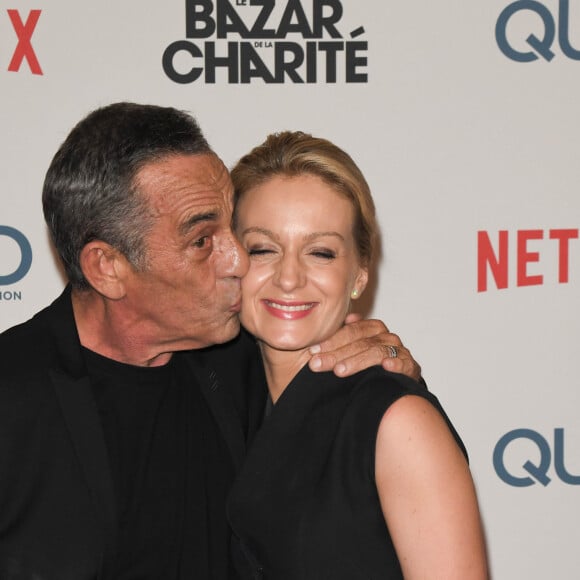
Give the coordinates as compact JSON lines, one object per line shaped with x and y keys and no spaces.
{"x":120,"y":432}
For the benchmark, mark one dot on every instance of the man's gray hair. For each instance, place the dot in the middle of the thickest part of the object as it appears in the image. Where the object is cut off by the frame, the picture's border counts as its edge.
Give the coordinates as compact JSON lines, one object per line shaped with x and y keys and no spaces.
{"x":89,"y":191}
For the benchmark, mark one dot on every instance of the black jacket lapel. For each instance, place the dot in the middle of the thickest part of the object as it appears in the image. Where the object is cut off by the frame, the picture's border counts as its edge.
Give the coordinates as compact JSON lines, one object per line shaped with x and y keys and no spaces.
{"x":73,"y":390}
{"x":82,"y":420}
{"x":224,"y":411}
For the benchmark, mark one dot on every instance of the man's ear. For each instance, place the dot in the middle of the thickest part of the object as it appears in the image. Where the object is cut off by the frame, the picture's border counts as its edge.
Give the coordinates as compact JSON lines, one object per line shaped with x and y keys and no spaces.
{"x":104,"y":266}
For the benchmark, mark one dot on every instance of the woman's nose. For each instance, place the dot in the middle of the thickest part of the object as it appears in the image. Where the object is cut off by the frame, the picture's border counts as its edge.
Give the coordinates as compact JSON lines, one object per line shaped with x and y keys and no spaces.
{"x":290,"y":273}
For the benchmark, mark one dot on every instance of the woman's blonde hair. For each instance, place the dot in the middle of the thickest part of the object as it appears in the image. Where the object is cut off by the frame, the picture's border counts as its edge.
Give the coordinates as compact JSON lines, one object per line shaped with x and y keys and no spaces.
{"x":293,"y":153}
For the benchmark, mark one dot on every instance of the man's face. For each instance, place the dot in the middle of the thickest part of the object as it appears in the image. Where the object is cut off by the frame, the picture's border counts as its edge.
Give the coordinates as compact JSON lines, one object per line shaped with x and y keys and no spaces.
{"x":188,"y":295}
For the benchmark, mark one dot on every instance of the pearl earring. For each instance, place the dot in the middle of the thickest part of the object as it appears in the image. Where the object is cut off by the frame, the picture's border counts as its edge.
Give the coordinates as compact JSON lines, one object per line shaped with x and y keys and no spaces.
{"x":354,"y":293}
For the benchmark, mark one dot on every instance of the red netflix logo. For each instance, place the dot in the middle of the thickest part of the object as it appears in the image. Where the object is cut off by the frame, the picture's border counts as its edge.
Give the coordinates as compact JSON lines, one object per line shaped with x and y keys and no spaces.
{"x":496,"y":260}
{"x":24,"y":50}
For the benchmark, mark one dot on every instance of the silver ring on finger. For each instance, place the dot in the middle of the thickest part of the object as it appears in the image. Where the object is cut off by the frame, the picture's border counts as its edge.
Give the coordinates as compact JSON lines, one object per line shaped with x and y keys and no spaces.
{"x":391,"y":351}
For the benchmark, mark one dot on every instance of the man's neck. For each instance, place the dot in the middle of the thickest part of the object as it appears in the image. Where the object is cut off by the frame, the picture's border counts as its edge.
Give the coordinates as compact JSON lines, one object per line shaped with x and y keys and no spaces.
{"x":104,"y":328}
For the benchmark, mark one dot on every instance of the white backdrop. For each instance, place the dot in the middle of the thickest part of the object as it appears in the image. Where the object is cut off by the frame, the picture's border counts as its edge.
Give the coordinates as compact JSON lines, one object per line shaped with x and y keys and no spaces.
{"x":461,"y":125}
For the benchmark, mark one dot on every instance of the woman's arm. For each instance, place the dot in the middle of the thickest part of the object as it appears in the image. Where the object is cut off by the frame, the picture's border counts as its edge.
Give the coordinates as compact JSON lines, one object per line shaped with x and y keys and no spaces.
{"x":427,"y":495}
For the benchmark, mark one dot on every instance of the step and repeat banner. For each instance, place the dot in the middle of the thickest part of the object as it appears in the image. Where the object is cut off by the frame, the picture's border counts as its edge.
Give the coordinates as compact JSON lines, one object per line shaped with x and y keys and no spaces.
{"x":465,"y":118}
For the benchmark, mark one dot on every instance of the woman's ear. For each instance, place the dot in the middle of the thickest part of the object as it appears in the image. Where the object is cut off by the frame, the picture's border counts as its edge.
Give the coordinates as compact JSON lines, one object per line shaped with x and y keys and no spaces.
{"x":103,"y":267}
{"x":360,"y":283}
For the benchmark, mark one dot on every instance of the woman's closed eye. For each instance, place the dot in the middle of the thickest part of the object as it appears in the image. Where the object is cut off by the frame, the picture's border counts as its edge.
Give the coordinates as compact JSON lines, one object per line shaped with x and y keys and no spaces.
{"x":259,"y":251}
{"x":323,"y":253}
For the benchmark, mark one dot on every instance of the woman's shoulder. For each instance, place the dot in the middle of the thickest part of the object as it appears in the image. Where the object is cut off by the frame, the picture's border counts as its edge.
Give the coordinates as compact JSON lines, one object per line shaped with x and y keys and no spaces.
{"x":376,"y":386}
{"x":377,"y":392}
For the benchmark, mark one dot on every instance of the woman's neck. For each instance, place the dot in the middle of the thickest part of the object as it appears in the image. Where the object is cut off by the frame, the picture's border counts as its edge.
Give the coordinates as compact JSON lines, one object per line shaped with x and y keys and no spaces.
{"x":281,"y":367}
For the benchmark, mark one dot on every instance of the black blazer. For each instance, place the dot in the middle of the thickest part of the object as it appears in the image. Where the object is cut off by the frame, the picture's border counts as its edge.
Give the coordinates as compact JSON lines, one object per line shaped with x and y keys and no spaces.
{"x":58,"y":517}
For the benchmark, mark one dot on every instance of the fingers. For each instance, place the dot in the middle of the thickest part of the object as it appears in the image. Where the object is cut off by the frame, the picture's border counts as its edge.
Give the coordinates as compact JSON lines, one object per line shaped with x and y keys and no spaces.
{"x":360,"y":344}
{"x":350,"y":359}
{"x":355,"y":354}
{"x":352,"y":317}
{"x":355,"y":330}
{"x":360,"y":353}
{"x":404,"y":363}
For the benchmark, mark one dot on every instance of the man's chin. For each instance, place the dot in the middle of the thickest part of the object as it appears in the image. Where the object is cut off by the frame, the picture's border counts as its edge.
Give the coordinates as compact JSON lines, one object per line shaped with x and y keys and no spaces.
{"x":218,"y":334}
{"x":230,"y":331}
{"x":226,"y":332}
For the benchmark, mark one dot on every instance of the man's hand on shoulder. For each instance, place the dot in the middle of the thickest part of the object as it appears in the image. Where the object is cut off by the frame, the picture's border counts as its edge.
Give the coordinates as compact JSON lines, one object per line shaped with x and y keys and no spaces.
{"x":360,"y":344}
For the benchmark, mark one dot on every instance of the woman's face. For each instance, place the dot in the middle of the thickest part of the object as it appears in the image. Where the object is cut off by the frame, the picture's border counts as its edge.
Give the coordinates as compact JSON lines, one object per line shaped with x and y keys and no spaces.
{"x":304,"y":264}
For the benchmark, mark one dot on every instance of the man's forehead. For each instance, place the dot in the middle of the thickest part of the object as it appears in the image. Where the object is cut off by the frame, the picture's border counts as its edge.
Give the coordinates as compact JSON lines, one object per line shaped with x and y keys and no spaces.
{"x":184,"y":185}
{"x":206,"y":171}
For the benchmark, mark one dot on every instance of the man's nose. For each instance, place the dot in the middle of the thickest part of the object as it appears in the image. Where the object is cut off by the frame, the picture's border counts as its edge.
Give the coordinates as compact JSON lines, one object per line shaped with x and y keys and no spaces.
{"x":235,"y":259}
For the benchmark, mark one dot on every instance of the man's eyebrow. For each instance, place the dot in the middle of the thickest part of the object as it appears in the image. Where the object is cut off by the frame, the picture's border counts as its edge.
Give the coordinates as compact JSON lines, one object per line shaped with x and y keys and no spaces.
{"x":192,"y":221}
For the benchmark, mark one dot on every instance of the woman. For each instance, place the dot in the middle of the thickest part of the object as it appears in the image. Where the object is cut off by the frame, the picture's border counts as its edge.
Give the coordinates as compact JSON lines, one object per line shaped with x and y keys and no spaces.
{"x":362,"y":477}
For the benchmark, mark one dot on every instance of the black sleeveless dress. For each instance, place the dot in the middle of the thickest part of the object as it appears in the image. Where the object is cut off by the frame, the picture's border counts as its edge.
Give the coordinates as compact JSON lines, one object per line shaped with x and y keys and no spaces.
{"x":305,"y":504}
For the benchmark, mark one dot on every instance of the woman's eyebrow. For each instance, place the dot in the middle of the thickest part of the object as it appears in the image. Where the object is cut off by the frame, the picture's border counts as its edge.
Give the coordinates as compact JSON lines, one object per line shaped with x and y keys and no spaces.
{"x":259,"y":230}
{"x":315,"y":235}
{"x":307,"y":237}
